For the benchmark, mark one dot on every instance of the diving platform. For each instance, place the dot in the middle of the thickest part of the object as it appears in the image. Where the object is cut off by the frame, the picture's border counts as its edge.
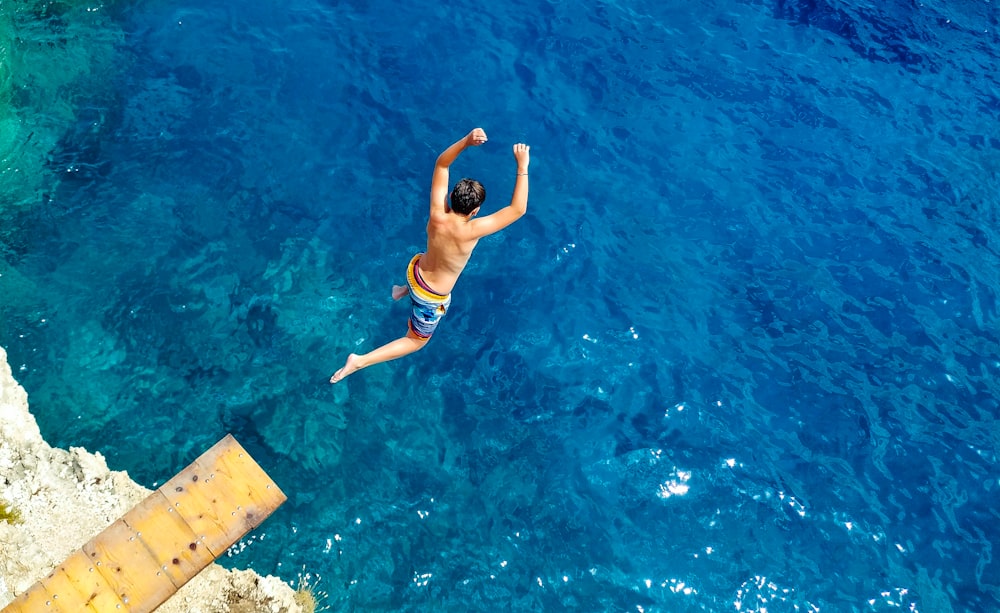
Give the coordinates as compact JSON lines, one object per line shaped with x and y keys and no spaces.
{"x":141,"y":560}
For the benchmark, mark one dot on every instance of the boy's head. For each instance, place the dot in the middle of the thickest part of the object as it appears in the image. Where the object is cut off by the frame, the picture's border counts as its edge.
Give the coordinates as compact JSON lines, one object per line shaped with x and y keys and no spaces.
{"x":467,"y":196}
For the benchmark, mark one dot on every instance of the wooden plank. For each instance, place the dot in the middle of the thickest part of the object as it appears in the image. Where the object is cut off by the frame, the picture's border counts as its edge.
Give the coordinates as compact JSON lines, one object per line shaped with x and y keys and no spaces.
{"x":223,"y":495}
{"x":174,"y":546}
{"x":94,"y":589}
{"x":129,"y":568}
{"x":35,"y":600}
{"x":210,"y":514}
{"x":197,"y":508}
{"x":251,"y":486}
{"x":62,"y":593}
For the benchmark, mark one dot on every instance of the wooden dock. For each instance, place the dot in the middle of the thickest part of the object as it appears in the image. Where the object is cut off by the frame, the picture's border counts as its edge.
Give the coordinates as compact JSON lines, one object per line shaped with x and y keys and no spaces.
{"x":142,"y":559}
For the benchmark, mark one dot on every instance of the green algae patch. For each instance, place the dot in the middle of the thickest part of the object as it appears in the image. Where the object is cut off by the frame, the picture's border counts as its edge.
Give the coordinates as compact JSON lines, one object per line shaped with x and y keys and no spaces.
{"x":9,"y":515}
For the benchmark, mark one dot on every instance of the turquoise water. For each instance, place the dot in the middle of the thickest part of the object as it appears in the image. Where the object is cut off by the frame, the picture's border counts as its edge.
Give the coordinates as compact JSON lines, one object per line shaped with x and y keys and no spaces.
{"x":740,"y":355}
{"x":53,"y":58}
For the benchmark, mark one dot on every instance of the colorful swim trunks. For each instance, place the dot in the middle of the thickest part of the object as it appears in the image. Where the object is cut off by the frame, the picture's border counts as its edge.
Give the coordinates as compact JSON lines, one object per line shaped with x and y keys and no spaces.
{"x":428,"y":306}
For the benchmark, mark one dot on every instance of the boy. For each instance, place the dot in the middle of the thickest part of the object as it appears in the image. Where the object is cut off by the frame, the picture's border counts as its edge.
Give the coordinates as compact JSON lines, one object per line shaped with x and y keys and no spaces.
{"x":452,"y":234}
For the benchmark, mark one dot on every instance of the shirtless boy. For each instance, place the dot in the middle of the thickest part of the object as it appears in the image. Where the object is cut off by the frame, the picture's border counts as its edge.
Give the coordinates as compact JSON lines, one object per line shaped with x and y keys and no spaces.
{"x":452,"y":234}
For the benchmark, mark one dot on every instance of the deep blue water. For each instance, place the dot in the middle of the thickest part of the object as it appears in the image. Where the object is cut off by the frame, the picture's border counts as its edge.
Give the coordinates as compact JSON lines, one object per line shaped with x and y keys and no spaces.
{"x":741,"y":354}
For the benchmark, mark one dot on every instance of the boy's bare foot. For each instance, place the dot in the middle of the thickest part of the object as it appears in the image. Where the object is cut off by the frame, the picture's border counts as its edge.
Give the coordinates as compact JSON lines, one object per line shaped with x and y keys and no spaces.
{"x":398,"y":291}
{"x":349,"y":367}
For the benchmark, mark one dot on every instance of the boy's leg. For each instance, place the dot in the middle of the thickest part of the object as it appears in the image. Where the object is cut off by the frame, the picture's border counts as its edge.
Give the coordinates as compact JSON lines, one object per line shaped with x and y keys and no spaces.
{"x":390,"y":351}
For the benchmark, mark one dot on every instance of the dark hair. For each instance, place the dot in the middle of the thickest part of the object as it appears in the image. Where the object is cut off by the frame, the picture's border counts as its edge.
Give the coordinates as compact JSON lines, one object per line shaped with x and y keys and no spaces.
{"x":467,"y":196}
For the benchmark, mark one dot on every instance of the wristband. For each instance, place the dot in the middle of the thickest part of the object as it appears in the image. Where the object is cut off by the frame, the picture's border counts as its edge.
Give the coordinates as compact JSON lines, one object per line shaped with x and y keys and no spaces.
{"x":522,"y":174}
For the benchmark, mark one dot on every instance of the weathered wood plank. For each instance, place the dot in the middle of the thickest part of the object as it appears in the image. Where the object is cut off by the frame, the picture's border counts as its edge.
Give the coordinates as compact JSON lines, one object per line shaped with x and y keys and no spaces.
{"x":35,"y":600}
{"x":171,"y":542}
{"x":129,"y":567}
{"x":251,"y":487}
{"x":93,"y":588}
{"x":223,"y":495}
{"x":63,"y":595}
{"x":210,"y":514}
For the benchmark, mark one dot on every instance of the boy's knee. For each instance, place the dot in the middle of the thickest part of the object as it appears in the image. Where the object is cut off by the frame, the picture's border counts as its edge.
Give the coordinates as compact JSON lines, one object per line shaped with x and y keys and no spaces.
{"x":422,"y":342}
{"x":419,"y":342}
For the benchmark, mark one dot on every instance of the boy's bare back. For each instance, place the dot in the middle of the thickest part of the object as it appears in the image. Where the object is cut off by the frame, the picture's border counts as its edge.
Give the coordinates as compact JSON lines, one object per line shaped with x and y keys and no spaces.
{"x":451,"y":236}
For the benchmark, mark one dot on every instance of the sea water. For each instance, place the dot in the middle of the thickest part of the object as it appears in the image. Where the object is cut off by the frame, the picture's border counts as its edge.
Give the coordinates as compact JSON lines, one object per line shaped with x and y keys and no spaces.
{"x":741,"y":354}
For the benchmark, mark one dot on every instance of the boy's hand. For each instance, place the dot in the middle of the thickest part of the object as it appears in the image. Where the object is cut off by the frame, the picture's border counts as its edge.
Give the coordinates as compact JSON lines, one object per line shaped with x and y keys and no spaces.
{"x":522,"y":153}
{"x":476,"y":137}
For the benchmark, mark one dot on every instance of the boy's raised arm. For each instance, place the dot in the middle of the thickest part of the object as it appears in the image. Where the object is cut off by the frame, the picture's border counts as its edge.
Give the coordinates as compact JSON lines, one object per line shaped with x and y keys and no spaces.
{"x":439,"y":182}
{"x":518,"y":201}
